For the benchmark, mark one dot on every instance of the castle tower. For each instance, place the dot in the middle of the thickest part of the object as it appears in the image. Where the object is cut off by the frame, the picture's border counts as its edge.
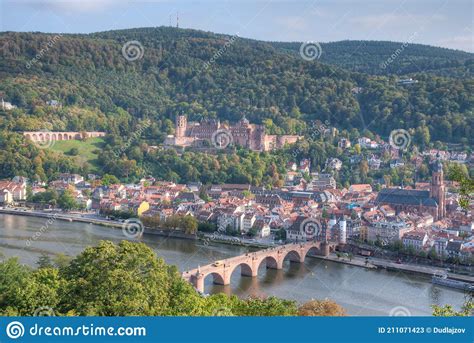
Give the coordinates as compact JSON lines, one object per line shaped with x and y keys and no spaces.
{"x":260,"y":138}
{"x":180,"y":126}
{"x":438,"y":191}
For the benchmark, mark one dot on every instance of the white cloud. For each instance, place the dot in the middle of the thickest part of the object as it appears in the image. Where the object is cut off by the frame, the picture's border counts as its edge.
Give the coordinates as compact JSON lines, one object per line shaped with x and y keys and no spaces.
{"x":72,"y":5}
{"x":391,"y":19}
{"x":292,"y":23}
{"x":465,"y":43}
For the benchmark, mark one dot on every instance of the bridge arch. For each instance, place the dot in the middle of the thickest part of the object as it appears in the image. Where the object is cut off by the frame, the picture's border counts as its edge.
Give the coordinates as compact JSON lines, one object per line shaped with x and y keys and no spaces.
{"x":293,"y":256}
{"x":217,"y":278}
{"x":314,"y":250}
{"x":245,"y":270}
{"x":270,"y":263}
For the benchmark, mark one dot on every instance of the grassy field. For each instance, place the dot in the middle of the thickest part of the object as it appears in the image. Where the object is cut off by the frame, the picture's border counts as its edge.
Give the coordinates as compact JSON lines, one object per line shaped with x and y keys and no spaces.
{"x":87,"y":150}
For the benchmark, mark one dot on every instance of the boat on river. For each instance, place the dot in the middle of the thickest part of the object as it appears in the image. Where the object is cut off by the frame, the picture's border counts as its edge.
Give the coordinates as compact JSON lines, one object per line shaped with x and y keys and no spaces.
{"x":443,"y":280}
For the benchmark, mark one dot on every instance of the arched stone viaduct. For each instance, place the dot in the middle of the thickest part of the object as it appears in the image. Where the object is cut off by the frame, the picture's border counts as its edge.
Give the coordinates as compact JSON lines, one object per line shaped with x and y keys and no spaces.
{"x":47,"y":136}
{"x":250,"y":262}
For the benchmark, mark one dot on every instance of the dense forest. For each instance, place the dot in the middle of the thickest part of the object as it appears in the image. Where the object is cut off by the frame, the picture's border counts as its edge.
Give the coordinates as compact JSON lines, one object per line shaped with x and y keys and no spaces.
{"x":249,"y":78}
{"x":397,"y":58}
{"x":207,"y":75}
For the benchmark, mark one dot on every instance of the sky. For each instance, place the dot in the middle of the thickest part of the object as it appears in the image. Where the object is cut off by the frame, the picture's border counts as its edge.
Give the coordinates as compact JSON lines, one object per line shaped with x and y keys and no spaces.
{"x":445,"y":23}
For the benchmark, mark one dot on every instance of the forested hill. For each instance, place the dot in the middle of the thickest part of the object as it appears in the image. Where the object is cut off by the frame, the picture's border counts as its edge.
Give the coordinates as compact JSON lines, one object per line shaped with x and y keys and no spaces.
{"x":206,"y":75}
{"x":385,"y":58}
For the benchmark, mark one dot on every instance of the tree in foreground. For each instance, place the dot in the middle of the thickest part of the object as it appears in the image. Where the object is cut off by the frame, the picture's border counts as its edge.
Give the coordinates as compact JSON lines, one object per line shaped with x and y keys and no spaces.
{"x":321,"y":308}
{"x":125,"y":279}
{"x":467,"y":309}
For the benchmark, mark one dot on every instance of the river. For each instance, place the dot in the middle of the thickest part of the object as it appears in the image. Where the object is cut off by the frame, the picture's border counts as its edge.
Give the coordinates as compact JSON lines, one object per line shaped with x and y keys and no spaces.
{"x":360,"y":291}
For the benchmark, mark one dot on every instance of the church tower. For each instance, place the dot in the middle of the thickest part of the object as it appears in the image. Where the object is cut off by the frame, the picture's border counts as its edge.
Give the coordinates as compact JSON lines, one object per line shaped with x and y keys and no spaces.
{"x":438,"y":191}
{"x":181,"y":125}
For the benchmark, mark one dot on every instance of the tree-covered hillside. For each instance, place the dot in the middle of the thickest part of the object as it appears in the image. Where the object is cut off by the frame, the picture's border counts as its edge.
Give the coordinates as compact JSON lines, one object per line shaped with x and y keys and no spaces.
{"x":197,"y":73}
{"x":397,"y":58}
{"x":204,"y":75}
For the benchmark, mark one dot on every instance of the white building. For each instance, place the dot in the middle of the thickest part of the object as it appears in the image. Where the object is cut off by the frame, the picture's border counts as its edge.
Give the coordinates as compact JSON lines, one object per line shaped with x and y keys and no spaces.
{"x":440,"y":244}
{"x":12,"y":191}
{"x":387,"y":231}
{"x":262,"y":228}
{"x":71,"y":178}
{"x":248,"y":221}
{"x":321,"y":182}
{"x":6,"y":106}
{"x":415,"y":239}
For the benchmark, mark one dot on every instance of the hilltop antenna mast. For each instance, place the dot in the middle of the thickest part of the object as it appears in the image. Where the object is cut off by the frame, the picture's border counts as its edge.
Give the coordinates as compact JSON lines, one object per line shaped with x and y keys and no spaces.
{"x":177,"y":20}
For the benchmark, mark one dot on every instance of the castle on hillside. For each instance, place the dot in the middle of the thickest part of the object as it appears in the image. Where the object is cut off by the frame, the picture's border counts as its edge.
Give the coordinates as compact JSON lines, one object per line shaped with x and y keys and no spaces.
{"x":432,"y":201}
{"x":251,"y":136}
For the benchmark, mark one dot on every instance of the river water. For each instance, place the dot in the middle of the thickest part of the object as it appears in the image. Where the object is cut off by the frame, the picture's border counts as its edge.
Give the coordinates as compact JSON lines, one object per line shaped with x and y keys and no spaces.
{"x":358,"y":290}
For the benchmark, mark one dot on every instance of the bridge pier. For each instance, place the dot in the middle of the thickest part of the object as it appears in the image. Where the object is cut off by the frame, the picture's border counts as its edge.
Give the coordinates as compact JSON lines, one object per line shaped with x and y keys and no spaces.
{"x":278,"y":265}
{"x":325,"y":248}
{"x":246,"y":270}
{"x":198,"y":282}
{"x":250,"y":262}
{"x":295,"y":256}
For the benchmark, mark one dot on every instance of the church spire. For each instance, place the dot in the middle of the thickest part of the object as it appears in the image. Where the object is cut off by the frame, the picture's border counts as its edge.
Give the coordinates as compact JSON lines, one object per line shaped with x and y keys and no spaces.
{"x":438,"y":191}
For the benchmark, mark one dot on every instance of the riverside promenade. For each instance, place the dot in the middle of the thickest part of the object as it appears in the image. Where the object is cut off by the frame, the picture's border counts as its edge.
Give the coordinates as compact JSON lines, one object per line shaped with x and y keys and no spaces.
{"x":70,"y":217}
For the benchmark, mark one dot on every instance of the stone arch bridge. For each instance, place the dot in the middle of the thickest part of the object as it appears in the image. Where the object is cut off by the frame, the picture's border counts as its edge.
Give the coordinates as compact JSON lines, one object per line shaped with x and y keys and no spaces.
{"x":250,"y":262}
{"x":42,"y":136}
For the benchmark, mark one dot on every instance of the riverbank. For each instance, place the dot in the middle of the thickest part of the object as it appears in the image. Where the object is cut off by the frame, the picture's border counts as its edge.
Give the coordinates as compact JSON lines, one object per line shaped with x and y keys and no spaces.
{"x":62,"y":216}
{"x":69,"y":217}
{"x":208,"y":238}
{"x":415,"y":269}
